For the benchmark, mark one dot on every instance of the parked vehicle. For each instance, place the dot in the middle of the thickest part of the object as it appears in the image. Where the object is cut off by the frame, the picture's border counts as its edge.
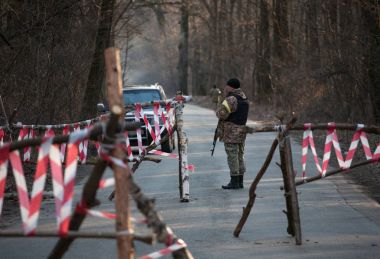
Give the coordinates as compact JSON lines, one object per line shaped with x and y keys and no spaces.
{"x":142,"y":94}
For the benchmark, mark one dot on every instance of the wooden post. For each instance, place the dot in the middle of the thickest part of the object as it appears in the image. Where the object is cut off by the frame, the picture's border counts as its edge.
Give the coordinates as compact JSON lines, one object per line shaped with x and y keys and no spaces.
{"x":115,"y":100}
{"x":184,"y":186}
{"x":294,"y":222}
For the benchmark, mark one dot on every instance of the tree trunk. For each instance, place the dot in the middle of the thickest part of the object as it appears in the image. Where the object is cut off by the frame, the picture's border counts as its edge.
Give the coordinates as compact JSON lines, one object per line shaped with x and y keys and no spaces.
{"x":263,"y":68}
{"x":183,"y":47}
{"x":94,"y":89}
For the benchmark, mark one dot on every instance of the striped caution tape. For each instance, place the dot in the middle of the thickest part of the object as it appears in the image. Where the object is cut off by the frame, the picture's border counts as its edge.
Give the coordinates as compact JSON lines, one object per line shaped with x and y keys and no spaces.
{"x":2,"y":134}
{"x":63,"y":186}
{"x":68,"y":182}
{"x":4,"y":156}
{"x":168,"y":250}
{"x":175,"y":156}
{"x":161,"y":153}
{"x":128,"y":145}
{"x":107,"y":215}
{"x":104,"y":183}
{"x":23,"y":135}
{"x":138,"y":133}
{"x":156,"y":107}
{"x":30,"y":208}
{"x":332,"y":140}
{"x":140,"y":111}
{"x":65,"y":132}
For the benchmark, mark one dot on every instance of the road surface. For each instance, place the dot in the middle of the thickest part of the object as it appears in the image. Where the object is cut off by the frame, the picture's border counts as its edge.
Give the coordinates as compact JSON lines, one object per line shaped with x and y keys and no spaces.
{"x":338,"y":221}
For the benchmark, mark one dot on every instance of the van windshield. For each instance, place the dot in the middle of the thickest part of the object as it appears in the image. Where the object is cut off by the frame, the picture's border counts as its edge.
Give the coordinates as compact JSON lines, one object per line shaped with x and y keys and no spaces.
{"x":140,"y":96}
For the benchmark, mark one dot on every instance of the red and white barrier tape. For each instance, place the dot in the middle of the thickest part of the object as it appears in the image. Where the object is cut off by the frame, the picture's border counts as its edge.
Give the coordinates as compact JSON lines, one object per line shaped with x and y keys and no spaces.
{"x":129,"y":148}
{"x":170,"y":155}
{"x":138,"y":133}
{"x":161,"y":153}
{"x":109,"y":215}
{"x":2,"y":134}
{"x":140,"y":111}
{"x":23,"y":135}
{"x":65,"y":132}
{"x":156,"y":107}
{"x":332,"y":140}
{"x":4,"y":155}
{"x":70,"y":172}
{"x":84,"y":143}
{"x":168,"y":250}
{"x":104,"y":183}
{"x":55,"y":156}
{"x":30,"y":208}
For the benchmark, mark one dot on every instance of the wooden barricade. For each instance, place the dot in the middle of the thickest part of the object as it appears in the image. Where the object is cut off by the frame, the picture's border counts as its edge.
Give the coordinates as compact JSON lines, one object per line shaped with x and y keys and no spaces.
{"x":117,"y":159}
{"x":288,"y":173}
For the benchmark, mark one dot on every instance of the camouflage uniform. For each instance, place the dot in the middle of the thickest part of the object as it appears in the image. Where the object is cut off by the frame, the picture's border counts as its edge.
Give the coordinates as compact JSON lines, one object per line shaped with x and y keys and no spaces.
{"x":232,"y":134}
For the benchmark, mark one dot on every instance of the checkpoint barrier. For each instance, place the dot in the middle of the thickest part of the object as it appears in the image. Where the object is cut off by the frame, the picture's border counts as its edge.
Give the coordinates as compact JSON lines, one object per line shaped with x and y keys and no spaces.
{"x":173,"y":108}
{"x":111,"y":154}
{"x":288,"y":172}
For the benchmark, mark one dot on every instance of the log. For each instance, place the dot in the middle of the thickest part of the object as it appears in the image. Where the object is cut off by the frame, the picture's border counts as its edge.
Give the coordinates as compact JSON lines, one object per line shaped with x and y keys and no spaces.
{"x":319,"y":126}
{"x":183,"y":175}
{"x":164,"y":234}
{"x":95,"y":132}
{"x":294,"y":222}
{"x":336,"y":171}
{"x":252,"y":189}
{"x":147,"y":239}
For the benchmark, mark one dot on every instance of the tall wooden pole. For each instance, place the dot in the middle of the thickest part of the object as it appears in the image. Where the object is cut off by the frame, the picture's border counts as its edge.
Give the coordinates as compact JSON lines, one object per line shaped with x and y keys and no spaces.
{"x":184,"y":184}
{"x":115,"y":100}
{"x":294,"y":221}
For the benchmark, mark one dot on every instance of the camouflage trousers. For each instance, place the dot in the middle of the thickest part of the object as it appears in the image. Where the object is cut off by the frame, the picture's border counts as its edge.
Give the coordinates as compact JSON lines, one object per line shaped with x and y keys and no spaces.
{"x":235,"y":158}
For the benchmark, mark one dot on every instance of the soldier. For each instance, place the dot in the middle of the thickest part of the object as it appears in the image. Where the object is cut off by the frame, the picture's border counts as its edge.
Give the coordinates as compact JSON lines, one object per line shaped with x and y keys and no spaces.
{"x":233,"y":114}
{"x":215,"y":96}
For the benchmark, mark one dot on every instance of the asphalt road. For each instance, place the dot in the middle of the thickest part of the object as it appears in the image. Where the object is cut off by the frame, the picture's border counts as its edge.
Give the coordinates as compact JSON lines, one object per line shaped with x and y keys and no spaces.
{"x":338,"y":221}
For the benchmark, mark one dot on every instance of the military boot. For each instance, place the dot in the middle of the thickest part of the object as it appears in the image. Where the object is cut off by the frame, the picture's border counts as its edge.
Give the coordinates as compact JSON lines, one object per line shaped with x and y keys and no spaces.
{"x":241,"y":179}
{"x":233,"y":184}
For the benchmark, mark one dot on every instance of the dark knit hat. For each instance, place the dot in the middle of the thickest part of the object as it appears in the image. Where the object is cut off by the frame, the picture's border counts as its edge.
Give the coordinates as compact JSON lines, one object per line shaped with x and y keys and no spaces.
{"x":234,"y":83}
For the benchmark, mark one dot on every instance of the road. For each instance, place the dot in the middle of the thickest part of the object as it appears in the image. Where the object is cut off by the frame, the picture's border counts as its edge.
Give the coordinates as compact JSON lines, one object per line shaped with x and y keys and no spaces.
{"x":338,"y":221}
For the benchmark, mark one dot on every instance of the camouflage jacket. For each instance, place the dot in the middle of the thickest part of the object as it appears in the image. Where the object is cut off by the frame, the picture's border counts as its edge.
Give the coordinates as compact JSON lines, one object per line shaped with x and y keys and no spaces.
{"x":228,"y":131}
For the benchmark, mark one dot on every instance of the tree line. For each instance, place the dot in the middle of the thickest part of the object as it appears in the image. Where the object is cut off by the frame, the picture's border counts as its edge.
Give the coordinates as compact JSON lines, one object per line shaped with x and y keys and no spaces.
{"x":317,"y":58}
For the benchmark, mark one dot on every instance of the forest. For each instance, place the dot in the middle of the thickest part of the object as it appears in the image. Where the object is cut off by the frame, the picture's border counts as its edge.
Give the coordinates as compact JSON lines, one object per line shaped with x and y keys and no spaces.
{"x":319,"y":59}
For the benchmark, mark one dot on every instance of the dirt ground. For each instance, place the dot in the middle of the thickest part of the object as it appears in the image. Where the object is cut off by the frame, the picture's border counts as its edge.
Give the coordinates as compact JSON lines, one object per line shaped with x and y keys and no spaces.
{"x":368,"y":177}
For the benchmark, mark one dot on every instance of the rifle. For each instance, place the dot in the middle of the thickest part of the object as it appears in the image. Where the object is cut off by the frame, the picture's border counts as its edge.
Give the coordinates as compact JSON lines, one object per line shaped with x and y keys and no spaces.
{"x":215,"y":138}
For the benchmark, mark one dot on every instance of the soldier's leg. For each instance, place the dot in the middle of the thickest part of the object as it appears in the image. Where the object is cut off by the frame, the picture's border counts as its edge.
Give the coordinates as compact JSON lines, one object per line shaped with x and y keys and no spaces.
{"x":241,"y":160}
{"x":232,"y":151}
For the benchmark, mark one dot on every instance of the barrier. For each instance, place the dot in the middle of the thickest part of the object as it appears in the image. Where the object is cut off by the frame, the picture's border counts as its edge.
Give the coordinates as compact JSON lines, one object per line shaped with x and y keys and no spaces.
{"x":30,"y":132}
{"x":289,"y":176}
{"x":68,"y":221}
